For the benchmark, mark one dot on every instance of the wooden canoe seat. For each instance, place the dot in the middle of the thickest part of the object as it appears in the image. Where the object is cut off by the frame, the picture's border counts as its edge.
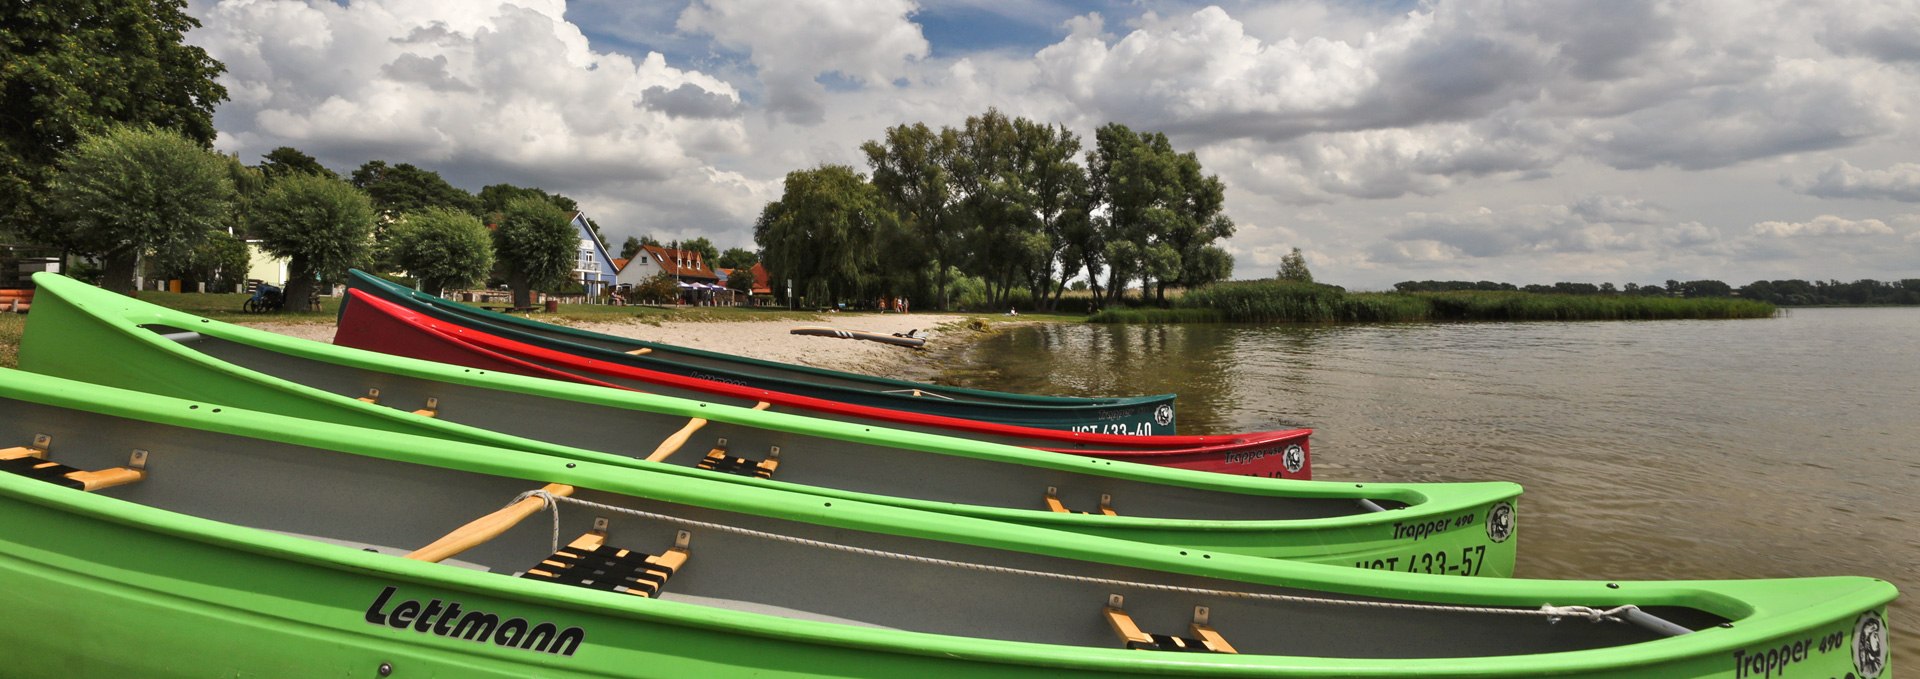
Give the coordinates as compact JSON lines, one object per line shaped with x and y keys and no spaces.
{"x":373,"y":396}
{"x":1053,"y":503}
{"x":1204,"y":639}
{"x":718,"y":460}
{"x":432,"y":409}
{"x":589,"y":562}
{"x":486,"y":527}
{"x":31,"y":462}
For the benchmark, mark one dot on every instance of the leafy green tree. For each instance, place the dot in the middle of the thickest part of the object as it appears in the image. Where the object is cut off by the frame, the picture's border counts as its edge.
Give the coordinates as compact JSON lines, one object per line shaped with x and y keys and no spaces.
{"x":536,"y":246}
{"x":288,"y":160}
{"x":661,"y":288}
{"x":1293,"y":267}
{"x":322,"y":226}
{"x":494,"y":198}
{"x":442,"y":248}
{"x":737,"y":258}
{"x":822,"y":229}
{"x":220,"y":261}
{"x":136,"y":191}
{"x":630,"y":248}
{"x":1153,"y":196}
{"x":708,"y":253}
{"x":741,"y":280}
{"x":75,"y":68}
{"x":1057,"y":196}
{"x":249,"y":184}
{"x":402,"y":189}
{"x":912,"y":166}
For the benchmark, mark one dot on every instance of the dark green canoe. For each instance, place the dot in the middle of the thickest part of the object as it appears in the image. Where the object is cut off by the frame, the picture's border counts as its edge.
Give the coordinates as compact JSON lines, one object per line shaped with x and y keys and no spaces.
{"x":1137,"y":416}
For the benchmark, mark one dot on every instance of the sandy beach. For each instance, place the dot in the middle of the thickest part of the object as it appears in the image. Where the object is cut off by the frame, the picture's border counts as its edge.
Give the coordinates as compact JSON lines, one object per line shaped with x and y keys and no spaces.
{"x":773,"y":340}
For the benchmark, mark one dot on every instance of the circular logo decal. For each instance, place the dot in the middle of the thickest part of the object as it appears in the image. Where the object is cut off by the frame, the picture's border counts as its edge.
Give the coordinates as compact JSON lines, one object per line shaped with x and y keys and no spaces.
{"x":1294,"y":457}
{"x":1500,"y":522}
{"x":1163,"y":415}
{"x":1869,"y":645}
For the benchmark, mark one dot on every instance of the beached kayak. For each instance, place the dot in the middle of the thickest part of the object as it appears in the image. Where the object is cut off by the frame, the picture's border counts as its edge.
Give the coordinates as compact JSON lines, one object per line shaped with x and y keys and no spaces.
{"x":1138,"y":416}
{"x":85,"y":333}
{"x":367,"y":322}
{"x":145,"y":536}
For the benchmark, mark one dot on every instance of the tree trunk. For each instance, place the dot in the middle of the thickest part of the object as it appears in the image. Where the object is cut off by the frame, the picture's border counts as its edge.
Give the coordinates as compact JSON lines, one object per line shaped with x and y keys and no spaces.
{"x":299,"y":285}
{"x":120,"y":268}
{"x":522,"y":292}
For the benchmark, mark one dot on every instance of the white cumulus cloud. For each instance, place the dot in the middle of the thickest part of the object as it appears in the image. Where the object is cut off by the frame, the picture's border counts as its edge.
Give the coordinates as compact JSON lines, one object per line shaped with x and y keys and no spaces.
{"x":1824,"y":225}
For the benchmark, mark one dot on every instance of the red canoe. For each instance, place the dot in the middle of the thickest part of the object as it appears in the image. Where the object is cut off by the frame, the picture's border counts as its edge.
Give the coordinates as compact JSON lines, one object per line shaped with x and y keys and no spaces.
{"x":367,"y":322}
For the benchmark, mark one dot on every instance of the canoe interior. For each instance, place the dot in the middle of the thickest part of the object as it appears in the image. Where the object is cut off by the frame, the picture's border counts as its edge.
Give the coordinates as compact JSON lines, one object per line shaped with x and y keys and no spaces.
{"x":361,"y":502}
{"x":804,"y":459}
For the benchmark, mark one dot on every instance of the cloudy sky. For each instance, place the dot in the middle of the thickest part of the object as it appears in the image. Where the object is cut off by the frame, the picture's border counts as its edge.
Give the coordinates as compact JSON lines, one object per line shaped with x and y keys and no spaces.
{"x":1529,"y":142}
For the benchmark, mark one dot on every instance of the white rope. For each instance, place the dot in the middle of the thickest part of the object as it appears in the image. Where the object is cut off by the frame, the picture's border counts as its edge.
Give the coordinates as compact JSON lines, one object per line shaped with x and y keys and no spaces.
{"x":1549,"y":611}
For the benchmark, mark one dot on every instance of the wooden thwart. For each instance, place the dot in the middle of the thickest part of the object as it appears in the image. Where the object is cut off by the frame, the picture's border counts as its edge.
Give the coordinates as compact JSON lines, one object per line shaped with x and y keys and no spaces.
{"x":642,"y":351}
{"x":1204,"y":639}
{"x":678,"y":440}
{"x":486,"y":527}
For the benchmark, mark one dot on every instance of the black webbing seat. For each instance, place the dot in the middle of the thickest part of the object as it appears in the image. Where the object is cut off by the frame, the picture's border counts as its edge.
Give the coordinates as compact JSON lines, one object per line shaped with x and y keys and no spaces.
{"x":31,"y":462}
{"x":589,"y":562}
{"x":718,"y":460}
{"x":1204,"y":639}
{"x":51,"y":472}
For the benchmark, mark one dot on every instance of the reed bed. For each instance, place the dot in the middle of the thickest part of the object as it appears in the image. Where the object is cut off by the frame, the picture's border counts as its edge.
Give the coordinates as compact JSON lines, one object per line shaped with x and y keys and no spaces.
{"x":1287,"y":302}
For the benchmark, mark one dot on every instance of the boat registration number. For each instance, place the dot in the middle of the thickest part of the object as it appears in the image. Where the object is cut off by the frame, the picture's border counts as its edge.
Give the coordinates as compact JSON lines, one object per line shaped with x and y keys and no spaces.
{"x":1467,"y":561}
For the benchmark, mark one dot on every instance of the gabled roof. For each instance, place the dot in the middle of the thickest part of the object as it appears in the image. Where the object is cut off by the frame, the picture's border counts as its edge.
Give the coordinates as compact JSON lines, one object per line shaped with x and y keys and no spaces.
{"x":620,"y":264}
{"x":682,"y":263}
{"x":760,"y":285}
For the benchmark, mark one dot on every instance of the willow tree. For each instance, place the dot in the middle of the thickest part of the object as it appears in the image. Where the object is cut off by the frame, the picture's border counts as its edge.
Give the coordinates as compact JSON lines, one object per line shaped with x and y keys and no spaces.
{"x":1161,"y":212}
{"x":824,"y":229}
{"x":912,"y":169}
{"x":536,"y":246}
{"x":139,"y":191}
{"x":322,"y":226}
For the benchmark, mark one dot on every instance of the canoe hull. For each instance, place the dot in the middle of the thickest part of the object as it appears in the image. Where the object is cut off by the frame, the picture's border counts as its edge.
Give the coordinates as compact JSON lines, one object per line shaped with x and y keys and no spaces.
{"x":1136,"y":416}
{"x":375,"y":324}
{"x":133,"y":590}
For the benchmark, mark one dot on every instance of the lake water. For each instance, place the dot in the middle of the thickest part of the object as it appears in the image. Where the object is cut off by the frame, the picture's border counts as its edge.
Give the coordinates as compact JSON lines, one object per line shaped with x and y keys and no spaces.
{"x":1649,"y":450}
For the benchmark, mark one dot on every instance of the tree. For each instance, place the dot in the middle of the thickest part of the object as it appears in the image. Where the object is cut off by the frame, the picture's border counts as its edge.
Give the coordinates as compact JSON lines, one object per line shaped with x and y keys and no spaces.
{"x":220,"y":261}
{"x":323,"y":226}
{"x":72,"y":69}
{"x":136,"y":191}
{"x":401,"y":189}
{"x":442,"y":248}
{"x":494,"y":199}
{"x":911,"y":170}
{"x":630,"y":248}
{"x":737,"y":258}
{"x":1293,"y":267}
{"x":708,"y":253}
{"x":536,"y":246}
{"x":661,"y":288}
{"x":822,"y":229}
{"x":741,"y":280}
{"x":288,"y":160}
{"x":1153,"y":196}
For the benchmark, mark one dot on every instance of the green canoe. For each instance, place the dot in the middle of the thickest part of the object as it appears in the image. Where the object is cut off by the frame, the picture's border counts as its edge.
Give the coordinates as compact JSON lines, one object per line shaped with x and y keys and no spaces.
{"x":1139,"y":416}
{"x":81,"y":332}
{"x":145,"y":536}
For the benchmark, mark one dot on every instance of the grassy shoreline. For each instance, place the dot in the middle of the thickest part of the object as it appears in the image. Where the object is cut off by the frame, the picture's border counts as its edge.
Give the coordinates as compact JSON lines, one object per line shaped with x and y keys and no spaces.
{"x":1276,"y":302}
